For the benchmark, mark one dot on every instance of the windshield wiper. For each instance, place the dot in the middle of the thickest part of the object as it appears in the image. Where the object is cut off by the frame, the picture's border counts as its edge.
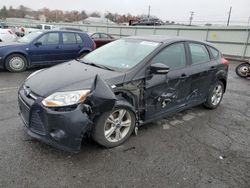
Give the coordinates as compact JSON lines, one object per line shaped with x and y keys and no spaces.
{"x":97,"y":65}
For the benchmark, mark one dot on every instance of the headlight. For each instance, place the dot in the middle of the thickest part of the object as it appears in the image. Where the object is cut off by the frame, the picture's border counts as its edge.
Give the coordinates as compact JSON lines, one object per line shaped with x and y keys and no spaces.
{"x":61,"y":99}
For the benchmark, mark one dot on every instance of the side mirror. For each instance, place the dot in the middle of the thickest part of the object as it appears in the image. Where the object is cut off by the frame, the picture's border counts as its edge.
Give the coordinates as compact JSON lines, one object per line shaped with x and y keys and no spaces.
{"x":159,"y":68}
{"x":38,"y":44}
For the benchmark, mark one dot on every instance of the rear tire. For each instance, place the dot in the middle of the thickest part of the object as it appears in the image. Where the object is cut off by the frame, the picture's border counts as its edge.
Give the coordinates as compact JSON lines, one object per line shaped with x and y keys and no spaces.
{"x":16,"y":63}
{"x":113,"y":128}
{"x":215,"y":95}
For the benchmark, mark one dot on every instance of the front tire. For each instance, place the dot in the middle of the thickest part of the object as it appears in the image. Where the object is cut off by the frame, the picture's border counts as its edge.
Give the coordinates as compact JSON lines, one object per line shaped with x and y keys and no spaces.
{"x":215,"y":95}
{"x":114,"y":127}
{"x":16,"y":63}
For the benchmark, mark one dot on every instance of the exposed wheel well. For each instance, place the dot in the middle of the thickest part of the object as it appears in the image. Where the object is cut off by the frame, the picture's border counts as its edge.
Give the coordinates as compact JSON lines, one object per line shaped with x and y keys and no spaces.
{"x":224,"y":83}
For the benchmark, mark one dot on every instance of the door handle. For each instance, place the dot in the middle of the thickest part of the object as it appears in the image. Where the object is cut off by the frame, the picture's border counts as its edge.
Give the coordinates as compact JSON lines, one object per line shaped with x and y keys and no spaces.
{"x":184,"y":76}
{"x":212,"y":68}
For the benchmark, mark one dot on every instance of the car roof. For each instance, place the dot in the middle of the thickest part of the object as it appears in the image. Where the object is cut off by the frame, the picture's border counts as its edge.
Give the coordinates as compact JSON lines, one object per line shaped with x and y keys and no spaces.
{"x":166,"y":39}
{"x":57,"y":30}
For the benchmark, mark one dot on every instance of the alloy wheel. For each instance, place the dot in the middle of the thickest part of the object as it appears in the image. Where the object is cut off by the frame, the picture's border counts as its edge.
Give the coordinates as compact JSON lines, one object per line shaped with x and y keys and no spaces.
{"x":117,"y":125}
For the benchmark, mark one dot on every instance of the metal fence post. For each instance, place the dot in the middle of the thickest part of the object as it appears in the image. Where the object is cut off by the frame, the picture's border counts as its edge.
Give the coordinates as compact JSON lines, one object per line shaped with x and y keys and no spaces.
{"x":207,"y":34}
{"x":135,"y":31}
{"x":178,"y":32}
{"x":246,"y":44}
{"x":120,"y":32}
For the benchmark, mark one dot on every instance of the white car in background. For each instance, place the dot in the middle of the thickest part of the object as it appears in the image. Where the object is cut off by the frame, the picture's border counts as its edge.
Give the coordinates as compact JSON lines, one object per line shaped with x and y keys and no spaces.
{"x":7,"y":35}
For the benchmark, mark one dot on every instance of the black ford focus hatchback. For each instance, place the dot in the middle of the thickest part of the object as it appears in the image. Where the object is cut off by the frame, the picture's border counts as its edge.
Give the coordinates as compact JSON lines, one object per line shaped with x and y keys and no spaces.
{"x":118,"y":87}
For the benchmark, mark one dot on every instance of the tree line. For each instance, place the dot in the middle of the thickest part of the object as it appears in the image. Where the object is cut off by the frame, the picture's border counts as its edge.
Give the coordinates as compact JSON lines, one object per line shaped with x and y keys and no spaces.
{"x":59,"y":15}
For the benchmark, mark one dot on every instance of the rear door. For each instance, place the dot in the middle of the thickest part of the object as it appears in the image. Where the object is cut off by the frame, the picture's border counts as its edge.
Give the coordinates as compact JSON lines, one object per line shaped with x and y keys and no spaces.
{"x":72,"y":44}
{"x":48,"y":51}
{"x":168,"y":93}
{"x":202,"y":72}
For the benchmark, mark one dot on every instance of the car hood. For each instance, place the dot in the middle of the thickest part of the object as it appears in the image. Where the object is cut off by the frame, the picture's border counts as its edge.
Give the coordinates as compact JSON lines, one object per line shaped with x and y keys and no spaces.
{"x":10,"y":44}
{"x":70,"y":76}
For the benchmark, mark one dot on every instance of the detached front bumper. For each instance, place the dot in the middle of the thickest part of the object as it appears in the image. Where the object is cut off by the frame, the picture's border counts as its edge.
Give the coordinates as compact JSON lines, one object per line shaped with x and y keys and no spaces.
{"x":61,"y":129}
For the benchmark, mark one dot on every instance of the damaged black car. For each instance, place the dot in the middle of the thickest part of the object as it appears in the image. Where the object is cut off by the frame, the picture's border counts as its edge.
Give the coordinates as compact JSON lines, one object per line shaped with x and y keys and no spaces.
{"x":118,"y":87}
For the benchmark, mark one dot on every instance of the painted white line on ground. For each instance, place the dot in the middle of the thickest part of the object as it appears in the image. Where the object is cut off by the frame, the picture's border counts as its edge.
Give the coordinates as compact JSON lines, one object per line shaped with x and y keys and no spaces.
{"x":8,"y":88}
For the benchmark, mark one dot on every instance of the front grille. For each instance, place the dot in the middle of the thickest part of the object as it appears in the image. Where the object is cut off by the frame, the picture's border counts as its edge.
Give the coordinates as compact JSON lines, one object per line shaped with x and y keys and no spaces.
{"x":36,"y":124}
{"x":24,"y":110}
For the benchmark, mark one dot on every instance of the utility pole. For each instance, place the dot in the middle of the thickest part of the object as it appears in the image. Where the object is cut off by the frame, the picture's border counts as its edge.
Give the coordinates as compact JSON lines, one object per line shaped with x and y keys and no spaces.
{"x":149,"y":7}
{"x":191,"y":17}
{"x":229,"y":16}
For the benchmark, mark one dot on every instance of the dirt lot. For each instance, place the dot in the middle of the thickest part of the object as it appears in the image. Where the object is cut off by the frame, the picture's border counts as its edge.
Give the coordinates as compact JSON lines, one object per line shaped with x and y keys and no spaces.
{"x":194,"y":148}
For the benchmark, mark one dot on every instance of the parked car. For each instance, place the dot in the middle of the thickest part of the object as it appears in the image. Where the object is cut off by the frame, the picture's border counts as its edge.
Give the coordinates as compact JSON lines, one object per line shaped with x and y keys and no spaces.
{"x":101,"y":39}
{"x":43,"y":48}
{"x":7,"y":35}
{"x":116,"y":88}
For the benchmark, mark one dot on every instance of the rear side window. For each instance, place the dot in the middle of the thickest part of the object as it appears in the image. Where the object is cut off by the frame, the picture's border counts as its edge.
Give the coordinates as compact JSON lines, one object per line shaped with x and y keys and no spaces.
{"x":79,"y":39}
{"x":199,"y":53}
{"x":173,"y":56}
{"x":69,"y":38}
{"x":49,"y":38}
{"x":214,"y":52}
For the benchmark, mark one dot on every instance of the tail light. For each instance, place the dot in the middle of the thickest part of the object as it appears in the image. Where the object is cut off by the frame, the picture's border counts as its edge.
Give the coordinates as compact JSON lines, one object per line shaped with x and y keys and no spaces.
{"x":224,"y":61}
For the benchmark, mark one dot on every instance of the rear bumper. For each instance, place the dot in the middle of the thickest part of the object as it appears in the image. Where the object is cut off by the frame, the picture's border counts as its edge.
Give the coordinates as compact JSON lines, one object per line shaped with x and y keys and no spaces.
{"x":63,"y":130}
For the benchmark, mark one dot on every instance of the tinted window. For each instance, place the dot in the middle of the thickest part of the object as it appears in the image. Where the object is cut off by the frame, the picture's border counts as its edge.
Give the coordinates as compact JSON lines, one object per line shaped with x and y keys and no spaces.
{"x":173,"y":56}
{"x":199,"y":53}
{"x":49,"y":38}
{"x":79,"y":39}
{"x":69,"y":38}
{"x":214,"y":52}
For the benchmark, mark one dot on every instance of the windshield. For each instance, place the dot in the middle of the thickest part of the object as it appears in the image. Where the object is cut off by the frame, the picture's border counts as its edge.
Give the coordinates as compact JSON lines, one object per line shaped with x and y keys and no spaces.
{"x":29,"y":37}
{"x":122,"y":54}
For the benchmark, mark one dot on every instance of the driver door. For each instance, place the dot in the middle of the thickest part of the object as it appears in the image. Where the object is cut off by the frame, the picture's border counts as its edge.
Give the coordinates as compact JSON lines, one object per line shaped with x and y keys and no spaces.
{"x":48,"y":50}
{"x":166,"y":93}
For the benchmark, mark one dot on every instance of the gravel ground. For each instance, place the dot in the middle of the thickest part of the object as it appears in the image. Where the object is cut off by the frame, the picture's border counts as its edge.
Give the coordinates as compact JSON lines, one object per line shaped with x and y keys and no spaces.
{"x":194,"y":148}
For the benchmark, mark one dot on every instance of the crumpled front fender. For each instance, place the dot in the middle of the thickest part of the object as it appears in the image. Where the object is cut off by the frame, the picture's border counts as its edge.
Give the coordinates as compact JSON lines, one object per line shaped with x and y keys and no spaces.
{"x":102,"y":97}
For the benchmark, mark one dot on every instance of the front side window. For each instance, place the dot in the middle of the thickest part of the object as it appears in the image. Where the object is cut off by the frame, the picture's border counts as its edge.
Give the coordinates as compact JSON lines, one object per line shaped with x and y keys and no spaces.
{"x":199,"y":53}
{"x":173,"y":56}
{"x":95,"y":36}
{"x":104,"y":36}
{"x":69,"y":38}
{"x":49,"y":38}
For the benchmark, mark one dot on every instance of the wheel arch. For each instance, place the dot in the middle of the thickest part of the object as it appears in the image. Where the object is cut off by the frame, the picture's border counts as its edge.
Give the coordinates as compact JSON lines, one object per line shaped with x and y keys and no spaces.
{"x":222,"y":76}
{"x":20,"y":53}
